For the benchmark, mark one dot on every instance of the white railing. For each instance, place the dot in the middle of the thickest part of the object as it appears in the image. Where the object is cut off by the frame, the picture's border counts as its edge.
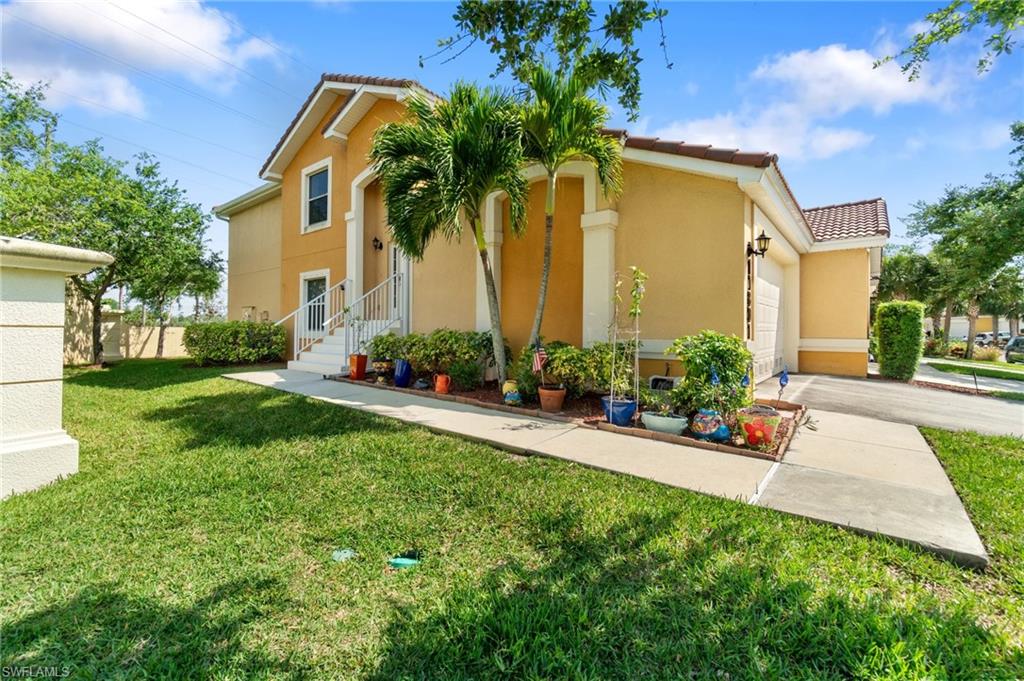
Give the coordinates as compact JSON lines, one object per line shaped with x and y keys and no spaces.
{"x":379,"y":310}
{"x":316,"y":318}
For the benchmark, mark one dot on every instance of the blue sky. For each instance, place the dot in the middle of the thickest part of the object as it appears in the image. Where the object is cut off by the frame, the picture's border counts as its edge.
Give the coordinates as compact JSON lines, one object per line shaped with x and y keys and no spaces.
{"x":793,"y":78}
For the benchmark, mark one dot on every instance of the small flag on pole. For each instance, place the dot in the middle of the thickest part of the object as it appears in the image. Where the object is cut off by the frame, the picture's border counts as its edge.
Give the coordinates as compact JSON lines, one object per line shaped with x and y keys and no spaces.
{"x":540,"y":358}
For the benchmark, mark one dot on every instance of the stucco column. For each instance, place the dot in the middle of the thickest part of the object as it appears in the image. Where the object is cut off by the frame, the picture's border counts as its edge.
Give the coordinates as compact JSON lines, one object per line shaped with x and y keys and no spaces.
{"x":598,"y":273}
{"x":493,"y":237}
{"x":34,"y":448}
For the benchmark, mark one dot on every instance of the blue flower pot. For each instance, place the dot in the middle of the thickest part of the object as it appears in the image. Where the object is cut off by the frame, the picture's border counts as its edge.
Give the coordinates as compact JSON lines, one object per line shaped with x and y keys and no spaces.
{"x":620,"y":412}
{"x":403,"y":373}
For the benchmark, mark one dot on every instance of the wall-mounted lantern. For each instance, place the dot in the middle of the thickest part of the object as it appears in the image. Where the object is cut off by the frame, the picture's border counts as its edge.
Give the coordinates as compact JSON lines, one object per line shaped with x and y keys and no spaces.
{"x":762,"y":245}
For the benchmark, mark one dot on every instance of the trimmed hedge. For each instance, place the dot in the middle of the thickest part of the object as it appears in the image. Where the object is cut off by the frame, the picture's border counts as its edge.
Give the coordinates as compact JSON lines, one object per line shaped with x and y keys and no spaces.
{"x":235,"y":342}
{"x":900,"y":333}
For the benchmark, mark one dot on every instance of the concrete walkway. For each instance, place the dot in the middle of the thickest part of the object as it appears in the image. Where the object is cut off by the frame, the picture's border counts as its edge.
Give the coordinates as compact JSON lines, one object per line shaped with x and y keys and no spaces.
{"x":933,"y":375}
{"x":863,"y":474}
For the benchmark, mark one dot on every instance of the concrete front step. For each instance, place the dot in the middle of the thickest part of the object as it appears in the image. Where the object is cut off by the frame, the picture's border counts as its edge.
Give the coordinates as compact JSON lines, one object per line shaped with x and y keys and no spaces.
{"x":321,"y":354}
{"x":324,"y":369}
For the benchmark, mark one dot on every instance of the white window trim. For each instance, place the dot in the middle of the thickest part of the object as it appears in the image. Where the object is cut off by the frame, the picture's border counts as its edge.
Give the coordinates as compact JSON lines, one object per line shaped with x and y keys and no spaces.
{"x":327,"y":163}
{"x":312,"y":274}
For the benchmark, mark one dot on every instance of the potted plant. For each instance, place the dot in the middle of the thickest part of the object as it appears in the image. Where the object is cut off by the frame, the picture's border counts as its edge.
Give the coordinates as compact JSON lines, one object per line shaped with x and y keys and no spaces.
{"x":758,"y":424}
{"x":404,"y":351}
{"x":716,"y":384}
{"x":552,"y":395}
{"x":357,"y":360}
{"x":384,"y":350}
{"x":658,"y":415}
{"x":620,"y":409}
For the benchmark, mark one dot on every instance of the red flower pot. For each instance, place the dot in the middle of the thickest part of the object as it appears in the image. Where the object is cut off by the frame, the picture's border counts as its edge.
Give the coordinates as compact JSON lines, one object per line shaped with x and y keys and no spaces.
{"x":357,"y":367}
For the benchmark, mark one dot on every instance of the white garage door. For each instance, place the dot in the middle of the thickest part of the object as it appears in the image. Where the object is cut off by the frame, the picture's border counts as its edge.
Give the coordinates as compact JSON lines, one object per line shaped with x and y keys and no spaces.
{"x":768,"y":325}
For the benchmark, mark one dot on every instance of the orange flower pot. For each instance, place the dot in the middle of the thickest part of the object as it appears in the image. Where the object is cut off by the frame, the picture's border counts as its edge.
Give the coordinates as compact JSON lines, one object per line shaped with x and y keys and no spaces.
{"x":442,"y":383}
{"x":357,"y":367}
{"x":551,"y":399}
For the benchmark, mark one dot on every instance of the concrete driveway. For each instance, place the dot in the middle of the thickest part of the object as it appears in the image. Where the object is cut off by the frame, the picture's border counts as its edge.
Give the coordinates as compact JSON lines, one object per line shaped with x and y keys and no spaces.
{"x":901,"y":403}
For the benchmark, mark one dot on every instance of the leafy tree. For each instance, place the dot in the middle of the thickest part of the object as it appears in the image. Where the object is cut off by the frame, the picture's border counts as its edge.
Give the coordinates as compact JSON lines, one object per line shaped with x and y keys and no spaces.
{"x":174,"y":258}
{"x":1005,"y":298}
{"x":910,"y":275}
{"x":561,"y":124}
{"x":1001,"y":19}
{"x":437,"y":168}
{"x":527,"y":33}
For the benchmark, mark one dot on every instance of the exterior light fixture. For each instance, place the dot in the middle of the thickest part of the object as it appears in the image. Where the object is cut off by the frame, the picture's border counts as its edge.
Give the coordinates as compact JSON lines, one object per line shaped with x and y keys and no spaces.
{"x":762,"y":245}
{"x":378,"y":245}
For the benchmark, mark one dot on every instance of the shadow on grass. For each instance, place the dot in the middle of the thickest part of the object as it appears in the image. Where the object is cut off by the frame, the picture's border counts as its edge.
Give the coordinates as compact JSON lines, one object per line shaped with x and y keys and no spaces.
{"x":103,"y":633}
{"x":152,"y":374}
{"x":630,"y":604}
{"x":253,"y":418}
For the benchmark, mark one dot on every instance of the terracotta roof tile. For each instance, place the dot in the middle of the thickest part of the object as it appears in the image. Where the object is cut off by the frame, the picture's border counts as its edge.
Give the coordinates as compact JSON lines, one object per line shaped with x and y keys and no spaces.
{"x":853,"y":220}
{"x":754,"y":159}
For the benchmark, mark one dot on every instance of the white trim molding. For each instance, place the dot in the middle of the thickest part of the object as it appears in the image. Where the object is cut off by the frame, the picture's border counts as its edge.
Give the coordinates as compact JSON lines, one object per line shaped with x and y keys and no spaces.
{"x":598,"y":273}
{"x":354,"y":227}
{"x":312,"y":169}
{"x":247,"y":200}
{"x":312,"y":274}
{"x":833,"y":344}
{"x":849,"y":244}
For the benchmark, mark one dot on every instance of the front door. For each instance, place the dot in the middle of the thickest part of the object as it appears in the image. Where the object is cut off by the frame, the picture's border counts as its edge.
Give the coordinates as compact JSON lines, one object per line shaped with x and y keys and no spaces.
{"x":313,"y":290}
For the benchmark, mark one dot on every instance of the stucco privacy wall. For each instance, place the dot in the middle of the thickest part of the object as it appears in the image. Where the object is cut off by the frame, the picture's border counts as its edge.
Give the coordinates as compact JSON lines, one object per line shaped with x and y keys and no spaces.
{"x":34,"y":448}
{"x":254,"y":267}
{"x":834,"y":312}
{"x":120,"y":340}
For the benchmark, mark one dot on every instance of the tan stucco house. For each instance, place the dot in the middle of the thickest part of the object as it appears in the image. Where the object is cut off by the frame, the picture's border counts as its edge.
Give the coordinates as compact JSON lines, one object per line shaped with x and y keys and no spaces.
{"x":310,"y":248}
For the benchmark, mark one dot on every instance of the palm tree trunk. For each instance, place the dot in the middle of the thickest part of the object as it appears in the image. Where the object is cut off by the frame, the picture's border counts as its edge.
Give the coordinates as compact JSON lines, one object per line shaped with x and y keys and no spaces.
{"x":497,"y":336}
{"x":972,"y":326}
{"x":947,"y":322}
{"x":545,"y":273}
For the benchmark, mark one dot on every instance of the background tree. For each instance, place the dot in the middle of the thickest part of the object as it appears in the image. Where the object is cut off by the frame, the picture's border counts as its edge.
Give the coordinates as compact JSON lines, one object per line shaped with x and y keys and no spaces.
{"x":910,"y":275}
{"x":1005,"y":298}
{"x":174,"y":256}
{"x":561,"y":123}
{"x":437,"y":168}
{"x":527,"y":33}
{"x":75,"y":195}
{"x":1001,"y":20}
{"x":203,"y":284}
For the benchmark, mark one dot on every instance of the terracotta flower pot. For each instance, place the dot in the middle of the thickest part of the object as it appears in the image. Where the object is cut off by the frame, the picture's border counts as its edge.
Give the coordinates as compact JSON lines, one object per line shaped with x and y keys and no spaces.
{"x":357,"y":367}
{"x":442,"y":383}
{"x":551,"y":399}
{"x":758,"y":425}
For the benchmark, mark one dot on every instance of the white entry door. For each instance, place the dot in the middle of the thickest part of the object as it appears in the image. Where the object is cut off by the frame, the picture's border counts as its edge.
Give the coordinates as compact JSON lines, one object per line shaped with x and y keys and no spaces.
{"x":768,"y":320}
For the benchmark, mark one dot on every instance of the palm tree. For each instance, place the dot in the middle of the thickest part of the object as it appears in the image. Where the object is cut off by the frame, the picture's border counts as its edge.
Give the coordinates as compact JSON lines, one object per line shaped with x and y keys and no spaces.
{"x":438,"y":166}
{"x":561,"y":123}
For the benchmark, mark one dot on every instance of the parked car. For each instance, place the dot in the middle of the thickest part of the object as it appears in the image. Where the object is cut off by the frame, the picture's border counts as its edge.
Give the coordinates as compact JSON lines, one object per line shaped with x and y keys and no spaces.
{"x":1015,"y":350}
{"x":984,"y":339}
{"x":1004,"y":338}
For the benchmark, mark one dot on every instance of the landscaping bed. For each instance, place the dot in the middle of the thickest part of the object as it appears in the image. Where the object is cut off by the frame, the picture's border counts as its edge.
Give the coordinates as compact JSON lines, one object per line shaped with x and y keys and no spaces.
{"x":587,"y":411}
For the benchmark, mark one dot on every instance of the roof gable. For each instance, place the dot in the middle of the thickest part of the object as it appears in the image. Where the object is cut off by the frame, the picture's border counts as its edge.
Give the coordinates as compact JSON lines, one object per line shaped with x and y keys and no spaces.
{"x":853,"y":220}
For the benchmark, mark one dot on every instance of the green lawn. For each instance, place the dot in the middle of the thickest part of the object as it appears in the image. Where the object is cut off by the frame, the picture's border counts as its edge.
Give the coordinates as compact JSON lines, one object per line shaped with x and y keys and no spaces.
{"x":989,"y":369}
{"x":1009,"y":395}
{"x":195,"y":543}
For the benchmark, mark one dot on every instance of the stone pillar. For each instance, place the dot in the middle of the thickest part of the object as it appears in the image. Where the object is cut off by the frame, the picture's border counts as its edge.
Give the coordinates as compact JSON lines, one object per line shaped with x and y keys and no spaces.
{"x":598,"y":273}
{"x":34,"y":448}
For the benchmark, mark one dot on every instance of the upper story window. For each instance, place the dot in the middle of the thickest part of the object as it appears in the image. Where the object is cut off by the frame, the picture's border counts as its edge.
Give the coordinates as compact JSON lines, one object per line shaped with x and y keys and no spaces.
{"x":316,"y":196}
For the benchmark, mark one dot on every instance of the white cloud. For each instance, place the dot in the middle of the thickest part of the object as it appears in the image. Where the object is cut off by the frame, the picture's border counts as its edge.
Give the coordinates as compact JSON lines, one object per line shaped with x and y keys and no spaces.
{"x":691,"y":88}
{"x":107,"y":90}
{"x":120,"y":30}
{"x":795,"y":97}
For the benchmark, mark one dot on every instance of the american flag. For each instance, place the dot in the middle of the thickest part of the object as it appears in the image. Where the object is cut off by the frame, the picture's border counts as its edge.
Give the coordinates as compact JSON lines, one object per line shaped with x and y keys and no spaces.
{"x":540,"y":358}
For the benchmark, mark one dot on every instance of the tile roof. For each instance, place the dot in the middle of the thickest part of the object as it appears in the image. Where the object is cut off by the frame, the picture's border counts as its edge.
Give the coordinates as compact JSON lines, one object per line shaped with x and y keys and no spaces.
{"x":857,"y":219}
{"x":755,"y":159}
{"x":338,"y":78}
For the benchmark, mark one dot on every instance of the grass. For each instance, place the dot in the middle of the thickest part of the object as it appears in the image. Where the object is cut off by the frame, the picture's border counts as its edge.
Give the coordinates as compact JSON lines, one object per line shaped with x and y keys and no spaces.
{"x":1008,"y":395}
{"x":998,"y":364}
{"x":195,"y":543}
{"x":981,"y":369}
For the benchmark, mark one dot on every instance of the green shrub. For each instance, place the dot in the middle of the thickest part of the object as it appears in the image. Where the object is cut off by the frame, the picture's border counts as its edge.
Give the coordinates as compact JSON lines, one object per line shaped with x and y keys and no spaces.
{"x":568,"y":365}
{"x":235,"y":342}
{"x":956,"y":349}
{"x":703,"y":356}
{"x":387,"y":346}
{"x":898,"y":326}
{"x":466,"y":374}
{"x":521,"y":371}
{"x":934,"y":347}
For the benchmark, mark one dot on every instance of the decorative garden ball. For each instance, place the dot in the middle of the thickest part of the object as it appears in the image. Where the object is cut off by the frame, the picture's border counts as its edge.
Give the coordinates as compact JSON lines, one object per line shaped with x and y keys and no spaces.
{"x":708,"y":424}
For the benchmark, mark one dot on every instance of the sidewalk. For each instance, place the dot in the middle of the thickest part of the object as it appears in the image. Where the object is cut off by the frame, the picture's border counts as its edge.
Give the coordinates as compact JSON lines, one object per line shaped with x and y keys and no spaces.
{"x":867,"y":475}
{"x":985,"y":383}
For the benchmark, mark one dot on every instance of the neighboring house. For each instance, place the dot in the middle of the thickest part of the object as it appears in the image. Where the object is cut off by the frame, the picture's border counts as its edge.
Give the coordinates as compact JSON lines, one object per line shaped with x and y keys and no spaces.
{"x":311,"y":248}
{"x":958,"y":325}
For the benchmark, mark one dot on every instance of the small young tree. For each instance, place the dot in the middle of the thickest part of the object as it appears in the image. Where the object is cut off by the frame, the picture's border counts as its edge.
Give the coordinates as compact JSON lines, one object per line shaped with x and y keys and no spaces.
{"x":439,"y":166}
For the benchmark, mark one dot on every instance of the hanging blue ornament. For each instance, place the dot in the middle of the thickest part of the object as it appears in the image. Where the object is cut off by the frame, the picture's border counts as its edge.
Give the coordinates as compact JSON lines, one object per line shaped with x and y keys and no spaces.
{"x":745,"y":381}
{"x":784,"y":377}
{"x":714,"y":377}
